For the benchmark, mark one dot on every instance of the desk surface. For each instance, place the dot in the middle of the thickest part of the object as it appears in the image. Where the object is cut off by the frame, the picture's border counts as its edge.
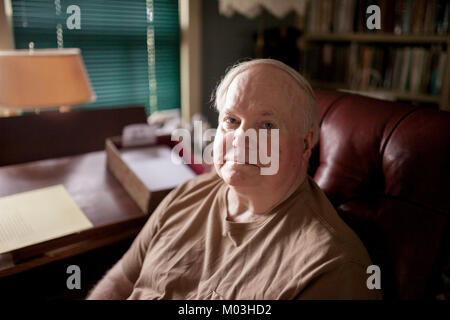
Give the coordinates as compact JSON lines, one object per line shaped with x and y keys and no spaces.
{"x":94,"y":189}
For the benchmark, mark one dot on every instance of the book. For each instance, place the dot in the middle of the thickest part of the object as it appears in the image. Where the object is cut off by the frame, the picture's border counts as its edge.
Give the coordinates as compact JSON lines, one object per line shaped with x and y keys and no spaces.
{"x":407,"y":16}
{"x":353,"y":66}
{"x":399,"y":8}
{"x":376,"y":77}
{"x":401,"y":17}
{"x":416,"y":69}
{"x":405,"y":69}
{"x":344,"y":13}
{"x":435,"y":62}
{"x":326,"y":16}
{"x":442,"y":17}
{"x":313,"y":17}
{"x":366,"y":59}
{"x":438,"y":73}
{"x":397,"y":68}
{"x":426,"y":72}
{"x":389,"y":68}
{"x":430,"y":17}
{"x":387,"y":8}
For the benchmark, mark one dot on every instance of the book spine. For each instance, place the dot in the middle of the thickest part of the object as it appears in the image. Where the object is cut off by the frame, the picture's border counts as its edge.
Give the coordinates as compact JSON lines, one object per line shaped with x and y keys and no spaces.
{"x":349,"y":17}
{"x":442,"y":17}
{"x":353,"y":66}
{"x":361,"y":16}
{"x":418,"y":16}
{"x":398,"y":16}
{"x":426,"y":72}
{"x":387,"y":8}
{"x":389,"y":68}
{"x":366,"y":66}
{"x":430,"y":17}
{"x":399,"y":53}
{"x":416,"y":69}
{"x":406,"y":64}
{"x":337,"y":15}
{"x":434,"y":70}
{"x":327,"y":13}
{"x":407,"y":16}
{"x":440,"y":69}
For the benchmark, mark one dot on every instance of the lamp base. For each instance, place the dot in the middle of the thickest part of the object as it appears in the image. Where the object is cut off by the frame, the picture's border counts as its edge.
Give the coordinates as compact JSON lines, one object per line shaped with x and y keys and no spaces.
{"x":64,"y":109}
{"x":5,"y":112}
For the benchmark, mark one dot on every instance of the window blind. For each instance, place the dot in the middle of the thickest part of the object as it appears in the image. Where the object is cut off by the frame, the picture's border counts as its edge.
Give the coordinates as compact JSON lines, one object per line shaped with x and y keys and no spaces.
{"x":130,"y":48}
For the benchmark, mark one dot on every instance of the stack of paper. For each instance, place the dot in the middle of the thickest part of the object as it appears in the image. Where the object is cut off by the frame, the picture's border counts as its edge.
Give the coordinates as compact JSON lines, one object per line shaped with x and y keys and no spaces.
{"x":155,"y":167}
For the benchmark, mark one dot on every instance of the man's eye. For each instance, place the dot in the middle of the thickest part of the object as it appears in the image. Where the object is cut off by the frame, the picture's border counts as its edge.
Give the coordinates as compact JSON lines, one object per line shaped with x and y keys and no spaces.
{"x":268,"y":125}
{"x":230,"y":120}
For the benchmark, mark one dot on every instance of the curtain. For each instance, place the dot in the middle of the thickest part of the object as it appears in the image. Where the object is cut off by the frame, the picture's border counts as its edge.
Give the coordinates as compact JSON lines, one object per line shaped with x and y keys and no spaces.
{"x":252,"y":8}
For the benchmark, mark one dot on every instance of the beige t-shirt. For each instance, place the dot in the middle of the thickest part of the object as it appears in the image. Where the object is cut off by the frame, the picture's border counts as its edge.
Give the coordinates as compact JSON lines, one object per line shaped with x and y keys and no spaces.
{"x":301,"y":250}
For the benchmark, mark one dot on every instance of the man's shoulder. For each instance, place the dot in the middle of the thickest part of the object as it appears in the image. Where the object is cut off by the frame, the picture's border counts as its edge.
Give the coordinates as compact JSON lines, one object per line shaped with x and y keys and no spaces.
{"x":326,"y":231}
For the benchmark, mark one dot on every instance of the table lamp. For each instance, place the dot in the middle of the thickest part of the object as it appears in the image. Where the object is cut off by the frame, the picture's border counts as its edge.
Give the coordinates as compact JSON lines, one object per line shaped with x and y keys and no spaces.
{"x":43,"y":78}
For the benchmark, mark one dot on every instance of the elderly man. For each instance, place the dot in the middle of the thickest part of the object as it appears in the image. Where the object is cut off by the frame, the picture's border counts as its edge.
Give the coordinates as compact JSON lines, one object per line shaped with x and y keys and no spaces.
{"x":236,"y":233}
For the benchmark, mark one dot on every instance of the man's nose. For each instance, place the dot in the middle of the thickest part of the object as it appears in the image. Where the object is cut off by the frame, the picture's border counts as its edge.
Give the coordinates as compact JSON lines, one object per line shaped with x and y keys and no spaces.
{"x":244,"y":136}
{"x":238,"y":136}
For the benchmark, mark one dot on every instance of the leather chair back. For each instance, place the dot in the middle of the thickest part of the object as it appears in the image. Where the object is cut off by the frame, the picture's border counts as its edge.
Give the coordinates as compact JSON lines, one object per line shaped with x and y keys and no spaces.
{"x":385,"y":166}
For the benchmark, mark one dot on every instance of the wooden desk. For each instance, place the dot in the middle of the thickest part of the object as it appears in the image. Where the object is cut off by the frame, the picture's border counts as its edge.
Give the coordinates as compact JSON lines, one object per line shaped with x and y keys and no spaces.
{"x":93,"y":188}
{"x":113,"y":213}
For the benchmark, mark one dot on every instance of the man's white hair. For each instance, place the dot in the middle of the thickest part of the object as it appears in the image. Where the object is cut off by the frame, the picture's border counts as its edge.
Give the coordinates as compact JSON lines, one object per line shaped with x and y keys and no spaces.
{"x":309,"y":111}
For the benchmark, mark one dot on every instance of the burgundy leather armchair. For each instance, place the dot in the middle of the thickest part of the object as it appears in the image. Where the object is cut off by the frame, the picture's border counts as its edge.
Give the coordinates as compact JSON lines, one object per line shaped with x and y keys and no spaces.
{"x":386,"y":168}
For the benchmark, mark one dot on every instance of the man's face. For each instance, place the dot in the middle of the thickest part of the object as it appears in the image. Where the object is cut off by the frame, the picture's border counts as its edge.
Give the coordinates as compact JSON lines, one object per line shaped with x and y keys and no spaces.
{"x":262,"y":97}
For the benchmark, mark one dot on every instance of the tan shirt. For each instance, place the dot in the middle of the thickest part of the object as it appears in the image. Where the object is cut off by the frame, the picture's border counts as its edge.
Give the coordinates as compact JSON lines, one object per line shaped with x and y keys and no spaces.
{"x":302,"y":250}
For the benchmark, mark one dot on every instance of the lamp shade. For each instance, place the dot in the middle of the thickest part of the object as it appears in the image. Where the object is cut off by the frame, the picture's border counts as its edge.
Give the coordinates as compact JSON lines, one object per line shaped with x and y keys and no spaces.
{"x":43,"y":78}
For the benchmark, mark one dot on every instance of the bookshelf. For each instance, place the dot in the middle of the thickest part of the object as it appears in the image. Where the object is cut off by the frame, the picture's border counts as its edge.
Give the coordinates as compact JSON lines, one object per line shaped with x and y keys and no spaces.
{"x":376,"y":37}
{"x":407,"y":61}
{"x":392,"y":95}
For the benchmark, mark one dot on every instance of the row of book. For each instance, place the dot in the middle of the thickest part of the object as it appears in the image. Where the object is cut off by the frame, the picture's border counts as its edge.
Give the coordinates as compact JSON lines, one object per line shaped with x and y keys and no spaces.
{"x":397,"y":68}
{"x":401,"y":17}
{"x":327,"y":63}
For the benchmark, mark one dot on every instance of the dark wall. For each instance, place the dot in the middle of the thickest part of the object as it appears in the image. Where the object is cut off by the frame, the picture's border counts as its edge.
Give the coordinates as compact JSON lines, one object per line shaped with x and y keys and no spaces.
{"x":227,"y":41}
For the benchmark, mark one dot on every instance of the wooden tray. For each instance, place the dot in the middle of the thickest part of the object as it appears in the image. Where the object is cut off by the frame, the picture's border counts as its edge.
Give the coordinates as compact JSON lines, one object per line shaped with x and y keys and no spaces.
{"x":145,"y":198}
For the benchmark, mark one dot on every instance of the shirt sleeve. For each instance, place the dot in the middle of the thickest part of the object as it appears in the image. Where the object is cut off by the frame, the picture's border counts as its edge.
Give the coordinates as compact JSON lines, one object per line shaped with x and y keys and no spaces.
{"x":133,"y":259}
{"x":346,"y":282}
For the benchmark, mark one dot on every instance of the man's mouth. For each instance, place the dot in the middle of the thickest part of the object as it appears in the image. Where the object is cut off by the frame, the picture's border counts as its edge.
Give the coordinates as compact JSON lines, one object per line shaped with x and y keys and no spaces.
{"x":243,"y":163}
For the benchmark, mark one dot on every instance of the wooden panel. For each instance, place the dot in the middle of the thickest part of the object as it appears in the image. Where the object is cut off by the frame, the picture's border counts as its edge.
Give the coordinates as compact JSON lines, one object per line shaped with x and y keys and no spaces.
{"x":53,"y":134}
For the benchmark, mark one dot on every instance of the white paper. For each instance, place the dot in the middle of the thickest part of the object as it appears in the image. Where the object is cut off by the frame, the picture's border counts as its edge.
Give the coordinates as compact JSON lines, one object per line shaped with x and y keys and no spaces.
{"x":154,"y":167}
{"x":138,"y":134}
{"x":39,"y":215}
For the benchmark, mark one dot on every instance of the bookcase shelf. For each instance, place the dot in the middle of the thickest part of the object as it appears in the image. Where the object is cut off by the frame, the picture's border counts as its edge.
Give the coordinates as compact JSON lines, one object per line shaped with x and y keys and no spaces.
{"x":376,"y":38}
{"x":392,"y":95}
{"x":407,"y":60}
{"x":442,"y":99}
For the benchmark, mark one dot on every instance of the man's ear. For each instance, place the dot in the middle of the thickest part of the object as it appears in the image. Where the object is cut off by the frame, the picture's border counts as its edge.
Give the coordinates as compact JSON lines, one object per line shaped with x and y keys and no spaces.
{"x":307,"y":143}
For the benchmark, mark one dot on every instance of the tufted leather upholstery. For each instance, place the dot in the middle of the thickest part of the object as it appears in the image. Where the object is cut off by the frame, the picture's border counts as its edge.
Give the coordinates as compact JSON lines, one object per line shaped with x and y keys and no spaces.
{"x":386,"y":168}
